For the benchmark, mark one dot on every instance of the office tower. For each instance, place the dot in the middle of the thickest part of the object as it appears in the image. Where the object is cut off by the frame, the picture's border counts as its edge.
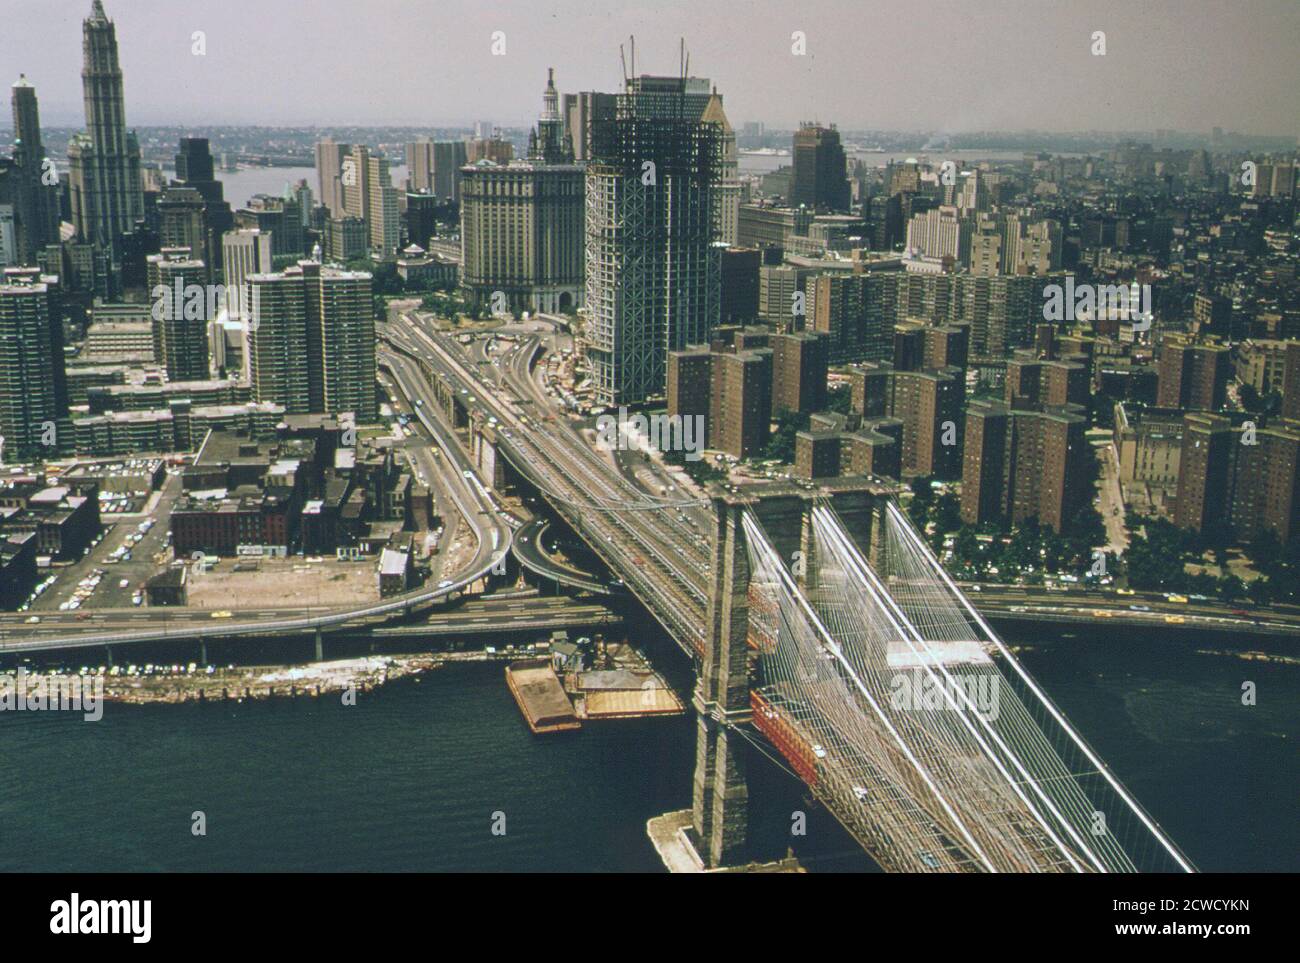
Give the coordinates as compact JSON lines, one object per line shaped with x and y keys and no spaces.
{"x":449,"y":156}
{"x":346,"y":238}
{"x":941,"y":233}
{"x":330,"y":174}
{"x":383,"y":215}
{"x":583,"y":111}
{"x":739,"y":273}
{"x":740,"y":404}
{"x":421,"y":217}
{"x":653,"y":272}
{"x":1193,"y":376}
{"x":522,"y":225}
{"x":799,"y":366}
{"x":107,"y":197}
{"x":35,"y":204}
{"x":278,"y":217}
{"x":372,"y":198}
{"x":182,"y":221}
{"x":312,"y":344}
{"x":819,"y":180}
{"x":33,"y":392}
{"x":435,"y":169}
{"x":1019,"y":465}
{"x":301,"y":193}
{"x":356,"y":183}
{"x":727,"y":188}
{"x":194,"y":169}
{"x":244,"y":252}
{"x":419,"y":167}
{"x":181,"y":310}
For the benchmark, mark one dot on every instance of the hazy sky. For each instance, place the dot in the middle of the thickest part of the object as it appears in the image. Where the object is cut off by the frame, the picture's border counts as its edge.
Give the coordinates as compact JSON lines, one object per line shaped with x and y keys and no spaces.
{"x":932,"y":64}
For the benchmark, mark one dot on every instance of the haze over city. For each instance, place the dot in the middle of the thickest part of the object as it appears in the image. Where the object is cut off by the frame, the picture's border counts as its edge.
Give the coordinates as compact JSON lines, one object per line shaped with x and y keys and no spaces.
{"x":943,"y":65}
{"x":693,"y":437}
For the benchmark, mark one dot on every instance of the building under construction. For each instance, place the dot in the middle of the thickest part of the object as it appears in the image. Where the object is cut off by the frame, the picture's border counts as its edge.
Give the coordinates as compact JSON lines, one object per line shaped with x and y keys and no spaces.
{"x":653,"y":269}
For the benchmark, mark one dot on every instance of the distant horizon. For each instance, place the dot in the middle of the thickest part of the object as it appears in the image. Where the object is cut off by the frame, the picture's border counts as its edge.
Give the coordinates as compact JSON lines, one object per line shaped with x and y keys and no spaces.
{"x":6,"y":125}
{"x":1182,"y":65}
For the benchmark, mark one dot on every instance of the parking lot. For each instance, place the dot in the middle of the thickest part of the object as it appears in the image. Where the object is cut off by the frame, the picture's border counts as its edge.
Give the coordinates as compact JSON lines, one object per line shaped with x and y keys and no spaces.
{"x":96,"y":580}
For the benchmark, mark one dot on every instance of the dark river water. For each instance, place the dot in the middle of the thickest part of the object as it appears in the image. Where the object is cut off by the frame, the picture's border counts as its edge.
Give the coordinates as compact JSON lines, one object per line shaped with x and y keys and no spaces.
{"x":417,"y":774}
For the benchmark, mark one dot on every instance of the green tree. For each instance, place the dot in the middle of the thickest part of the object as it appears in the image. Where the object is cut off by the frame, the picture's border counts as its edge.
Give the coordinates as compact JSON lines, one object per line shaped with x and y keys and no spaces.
{"x":1231,"y":588}
{"x":1260,"y":591}
{"x":781,"y":444}
{"x":946,"y":512}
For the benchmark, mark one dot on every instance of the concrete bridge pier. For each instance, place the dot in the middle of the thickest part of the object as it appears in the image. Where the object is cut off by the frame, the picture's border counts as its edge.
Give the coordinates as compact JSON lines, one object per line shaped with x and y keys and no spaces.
{"x":108,"y":651}
{"x":203,"y":651}
{"x":320,"y":646}
{"x":720,"y":808}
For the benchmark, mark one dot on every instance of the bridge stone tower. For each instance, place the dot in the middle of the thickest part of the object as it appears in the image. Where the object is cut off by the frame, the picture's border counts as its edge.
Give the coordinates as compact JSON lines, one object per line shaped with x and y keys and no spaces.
{"x":722,"y":692}
{"x":721,"y":797}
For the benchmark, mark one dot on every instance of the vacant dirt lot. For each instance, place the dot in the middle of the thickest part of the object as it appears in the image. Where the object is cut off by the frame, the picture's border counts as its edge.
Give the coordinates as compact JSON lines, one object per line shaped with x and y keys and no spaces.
{"x":285,"y":582}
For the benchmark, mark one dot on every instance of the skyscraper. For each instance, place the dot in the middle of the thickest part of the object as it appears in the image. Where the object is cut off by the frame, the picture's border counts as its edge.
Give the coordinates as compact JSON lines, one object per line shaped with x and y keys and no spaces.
{"x":183,"y":221}
{"x":312,"y":340}
{"x":523,"y":223}
{"x":106,"y":194}
{"x":31,"y":362}
{"x":245,"y":252}
{"x":194,"y":170}
{"x":36,"y":206}
{"x":582,"y":112}
{"x":177,"y":286}
{"x":549,"y":143}
{"x":819,"y":179}
{"x":653,"y":271}
{"x":368,"y":193}
{"x":329,"y":173}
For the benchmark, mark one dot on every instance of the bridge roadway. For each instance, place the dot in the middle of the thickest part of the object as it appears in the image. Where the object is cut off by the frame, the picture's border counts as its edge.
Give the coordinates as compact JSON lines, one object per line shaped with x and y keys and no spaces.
{"x":489,"y":614}
{"x":527,"y":548}
{"x":642,"y":539}
{"x":1014,"y":603}
{"x":524,"y":545}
